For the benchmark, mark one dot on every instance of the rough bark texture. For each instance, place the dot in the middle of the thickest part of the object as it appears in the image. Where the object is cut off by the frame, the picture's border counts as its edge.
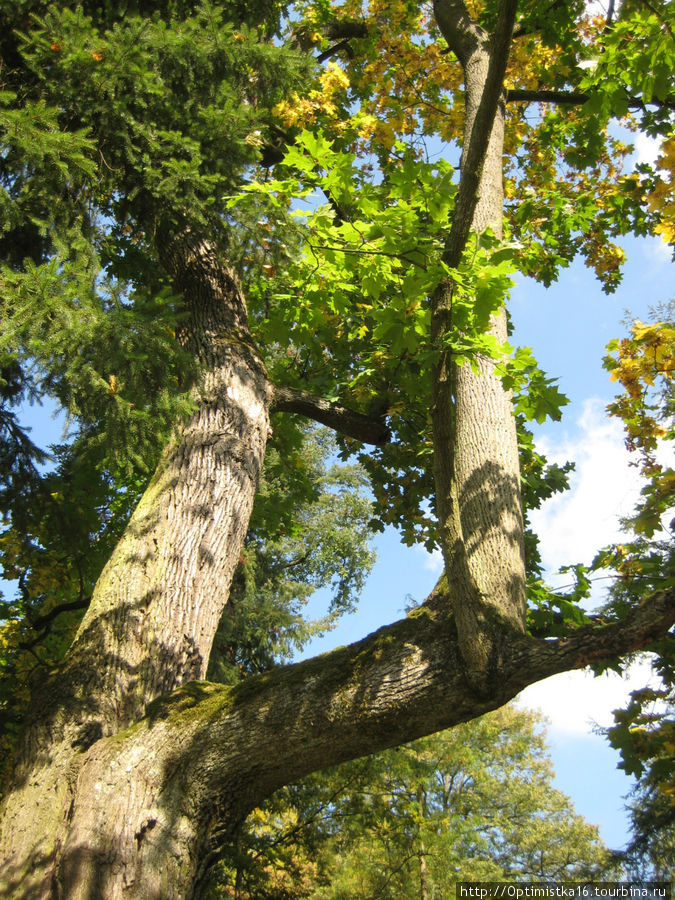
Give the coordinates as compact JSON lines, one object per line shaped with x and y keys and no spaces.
{"x":152,"y":803}
{"x":475,"y":445}
{"x":134,"y":771}
{"x":158,"y":602}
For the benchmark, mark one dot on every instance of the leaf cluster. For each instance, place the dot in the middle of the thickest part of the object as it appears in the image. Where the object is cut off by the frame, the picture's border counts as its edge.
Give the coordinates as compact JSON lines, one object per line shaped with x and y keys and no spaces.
{"x":355,"y":302}
{"x":473,"y":801}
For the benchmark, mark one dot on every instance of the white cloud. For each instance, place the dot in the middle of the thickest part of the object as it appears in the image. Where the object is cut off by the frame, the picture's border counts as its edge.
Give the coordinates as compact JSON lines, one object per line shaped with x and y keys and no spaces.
{"x":647,"y":148}
{"x":604,"y":487}
{"x":572,"y":526}
{"x":658,"y":251}
{"x":433,"y":561}
{"x":574,"y":702}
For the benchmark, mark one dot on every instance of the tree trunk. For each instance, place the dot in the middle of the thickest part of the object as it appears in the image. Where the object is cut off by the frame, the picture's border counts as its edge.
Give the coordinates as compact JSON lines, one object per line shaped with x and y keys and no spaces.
{"x":422,"y":850}
{"x":476,"y":463}
{"x":133,"y":771}
{"x":422,"y":855}
{"x":157,"y":603}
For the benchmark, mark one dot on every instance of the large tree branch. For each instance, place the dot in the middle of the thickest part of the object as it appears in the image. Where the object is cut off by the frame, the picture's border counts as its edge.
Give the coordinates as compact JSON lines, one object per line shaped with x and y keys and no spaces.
{"x":207,"y":754}
{"x":575,"y":98}
{"x":404,"y":681}
{"x":339,"y":418}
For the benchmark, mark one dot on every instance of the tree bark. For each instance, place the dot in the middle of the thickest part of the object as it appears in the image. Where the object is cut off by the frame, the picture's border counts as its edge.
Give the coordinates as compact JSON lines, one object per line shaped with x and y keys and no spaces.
{"x":477,"y":471}
{"x":134,"y":771}
{"x":422,"y":850}
{"x":157,"y":604}
{"x":148,"y":806}
{"x":422,"y":856}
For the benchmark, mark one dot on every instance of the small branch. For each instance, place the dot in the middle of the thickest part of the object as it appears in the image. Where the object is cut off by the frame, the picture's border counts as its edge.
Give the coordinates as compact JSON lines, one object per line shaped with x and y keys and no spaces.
{"x":345,"y":421}
{"x":294,"y":562}
{"x":41,"y":621}
{"x":45,"y":621}
{"x":357,"y":251}
{"x":655,"y":12}
{"x":337,"y":32}
{"x":346,"y":30}
{"x":565,"y":98}
{"x":340,"y":212}
{"x":335,"y":49}
{"x":575,"y":98}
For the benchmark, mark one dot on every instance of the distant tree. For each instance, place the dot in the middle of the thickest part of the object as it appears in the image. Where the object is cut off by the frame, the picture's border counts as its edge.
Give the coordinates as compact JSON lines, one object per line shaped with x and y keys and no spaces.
{"x":171,"y":277}
{"x":475,"y":802}
{"x":309,"y":530}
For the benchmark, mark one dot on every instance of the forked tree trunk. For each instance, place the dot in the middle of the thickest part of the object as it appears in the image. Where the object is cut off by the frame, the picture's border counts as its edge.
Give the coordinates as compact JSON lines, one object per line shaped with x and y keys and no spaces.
{"x":123,"y":793}
{"x":144,"y":812}
{"x":477,"y":470}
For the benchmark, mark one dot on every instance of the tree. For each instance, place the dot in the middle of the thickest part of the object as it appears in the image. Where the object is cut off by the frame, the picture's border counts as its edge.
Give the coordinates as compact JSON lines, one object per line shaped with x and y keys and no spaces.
{"x":643,"y":732}
{"x":473,"y":802}
{"x":134,"y":243}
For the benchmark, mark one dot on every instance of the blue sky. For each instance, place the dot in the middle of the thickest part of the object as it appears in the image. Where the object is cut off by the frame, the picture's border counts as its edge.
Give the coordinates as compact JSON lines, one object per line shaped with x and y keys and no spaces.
{"x":568,"y":327}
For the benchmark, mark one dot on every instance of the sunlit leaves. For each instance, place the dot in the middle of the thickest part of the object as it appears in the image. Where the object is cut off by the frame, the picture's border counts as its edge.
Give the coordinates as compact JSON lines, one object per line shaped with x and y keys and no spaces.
{"x":374,"y":255}
{"x":356,"y":305}
{"x":635,"y":63}
{"x":476,"y":800}
{"x":321,"y":102}
{"x":661,"y":197}
{"x":536,"y":396}
{"x":644,"y":365}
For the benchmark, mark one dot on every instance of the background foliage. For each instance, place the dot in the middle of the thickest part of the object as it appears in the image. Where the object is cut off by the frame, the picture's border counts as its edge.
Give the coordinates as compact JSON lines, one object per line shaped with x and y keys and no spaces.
{"x":325,"y":170}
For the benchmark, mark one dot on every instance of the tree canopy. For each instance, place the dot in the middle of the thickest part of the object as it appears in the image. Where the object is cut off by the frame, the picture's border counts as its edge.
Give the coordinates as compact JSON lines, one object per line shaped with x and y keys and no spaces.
{"x":473,"y":803}
{"x":217,"y":221}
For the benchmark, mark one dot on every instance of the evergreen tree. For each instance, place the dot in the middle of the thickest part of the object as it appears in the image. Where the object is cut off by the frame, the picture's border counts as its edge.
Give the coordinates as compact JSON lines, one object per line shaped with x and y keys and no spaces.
{"x":168,"y":292}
